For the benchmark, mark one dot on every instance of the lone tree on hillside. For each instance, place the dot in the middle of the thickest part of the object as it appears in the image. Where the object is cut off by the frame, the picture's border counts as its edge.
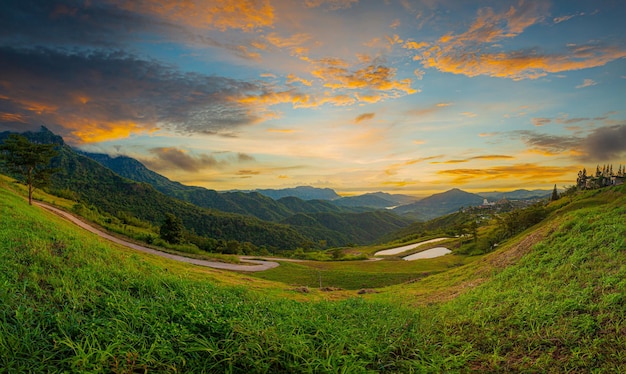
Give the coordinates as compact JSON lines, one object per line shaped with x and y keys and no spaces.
{"x":555,"y":194}
{"x":172,"y":229}
{"x":29,"y":161}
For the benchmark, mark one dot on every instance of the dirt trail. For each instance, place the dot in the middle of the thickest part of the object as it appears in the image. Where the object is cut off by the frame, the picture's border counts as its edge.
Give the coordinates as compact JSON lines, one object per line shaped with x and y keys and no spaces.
{"x":259,"y":264}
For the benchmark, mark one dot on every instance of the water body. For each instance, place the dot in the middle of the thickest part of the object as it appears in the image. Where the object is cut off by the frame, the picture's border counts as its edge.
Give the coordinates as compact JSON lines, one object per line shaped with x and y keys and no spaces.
{"x":429,"y":253}
{"x":395,"y":251}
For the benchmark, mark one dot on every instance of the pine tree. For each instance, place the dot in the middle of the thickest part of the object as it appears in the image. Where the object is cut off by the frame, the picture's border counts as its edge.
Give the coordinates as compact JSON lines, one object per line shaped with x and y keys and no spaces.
{"x":555,"y":194}
{"x":29,"y":161}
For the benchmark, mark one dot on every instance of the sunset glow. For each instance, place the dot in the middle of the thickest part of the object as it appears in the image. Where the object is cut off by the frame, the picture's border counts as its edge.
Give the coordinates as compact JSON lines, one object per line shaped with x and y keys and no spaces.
{"x":400,"y":96}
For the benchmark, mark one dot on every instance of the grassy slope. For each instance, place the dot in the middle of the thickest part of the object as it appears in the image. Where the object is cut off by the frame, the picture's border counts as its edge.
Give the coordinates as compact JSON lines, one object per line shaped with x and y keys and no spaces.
{"x":553,"y":301}
{"x":353,"y":275}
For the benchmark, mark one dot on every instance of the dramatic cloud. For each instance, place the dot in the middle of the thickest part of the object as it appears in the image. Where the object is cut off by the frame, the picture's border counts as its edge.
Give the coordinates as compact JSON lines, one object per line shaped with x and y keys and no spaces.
{"x":602,"y":144}
{"x":364,"y":117}
{"x":246,"y":15}
{"x":67,"y":22}
{"x":606,"y":143}
{"x":470,"y":53}
{"x":177,"y":159}
{"x":335,"y":74}
{"x":94,"y":96}
{"x":554,"y":144}
{"x":342,"y":85}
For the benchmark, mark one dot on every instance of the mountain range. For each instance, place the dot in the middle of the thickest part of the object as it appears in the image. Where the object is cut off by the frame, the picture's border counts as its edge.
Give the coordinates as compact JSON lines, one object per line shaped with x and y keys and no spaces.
{"x":285,"y":218}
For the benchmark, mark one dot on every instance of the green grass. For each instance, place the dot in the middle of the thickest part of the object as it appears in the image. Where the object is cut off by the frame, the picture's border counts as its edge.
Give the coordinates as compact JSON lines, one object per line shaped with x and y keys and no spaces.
{"x":71,"y":302}
{"x":353,"y":275}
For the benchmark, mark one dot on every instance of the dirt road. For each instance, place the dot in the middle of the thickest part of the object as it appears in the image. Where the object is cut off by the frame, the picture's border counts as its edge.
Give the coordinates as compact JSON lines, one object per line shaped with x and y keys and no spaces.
{"x":258,"y":264}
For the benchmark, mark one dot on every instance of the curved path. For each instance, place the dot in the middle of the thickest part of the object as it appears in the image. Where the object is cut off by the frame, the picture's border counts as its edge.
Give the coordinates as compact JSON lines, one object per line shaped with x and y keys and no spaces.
{"x":259,"y":265}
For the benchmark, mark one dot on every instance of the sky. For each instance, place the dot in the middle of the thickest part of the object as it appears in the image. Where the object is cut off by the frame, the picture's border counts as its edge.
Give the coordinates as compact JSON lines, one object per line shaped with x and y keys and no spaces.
{"x":400,"y":96}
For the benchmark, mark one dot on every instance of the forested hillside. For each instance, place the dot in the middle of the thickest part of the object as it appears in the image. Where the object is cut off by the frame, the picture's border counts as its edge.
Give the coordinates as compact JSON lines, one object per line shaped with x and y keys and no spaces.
{"x":98,"y":187}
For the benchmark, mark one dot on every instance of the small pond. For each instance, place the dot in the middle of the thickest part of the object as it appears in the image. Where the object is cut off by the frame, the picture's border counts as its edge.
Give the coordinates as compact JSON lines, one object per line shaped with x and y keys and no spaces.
{"x":397,"y":250}
{"x":429,"y":253}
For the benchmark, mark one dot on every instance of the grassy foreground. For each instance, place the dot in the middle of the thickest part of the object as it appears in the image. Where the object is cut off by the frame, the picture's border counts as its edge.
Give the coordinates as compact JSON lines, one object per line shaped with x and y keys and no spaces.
{"x":71,"y":302}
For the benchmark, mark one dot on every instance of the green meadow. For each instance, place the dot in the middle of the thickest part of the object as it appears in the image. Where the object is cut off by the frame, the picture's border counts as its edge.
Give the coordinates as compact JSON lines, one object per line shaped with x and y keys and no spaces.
{"x":551,"y":299}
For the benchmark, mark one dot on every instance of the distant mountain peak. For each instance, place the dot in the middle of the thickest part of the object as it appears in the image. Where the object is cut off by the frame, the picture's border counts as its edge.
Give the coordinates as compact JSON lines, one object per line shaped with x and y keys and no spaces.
{"x":302,"y":192}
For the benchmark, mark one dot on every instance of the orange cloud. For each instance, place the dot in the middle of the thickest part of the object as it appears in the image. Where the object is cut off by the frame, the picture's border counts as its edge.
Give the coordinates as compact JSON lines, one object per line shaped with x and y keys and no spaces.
{"x":543,"y":152}
{"x":379,"y":78}
{"x":371,"y":99}
{"x":398,"y":183}
{"x":246,"y":15}
{"x":293,"y":79}
{"x":294,"y":41}
{"x":363,"y":117}
{"x":395,"y":39}
{"x":89,"y":131}
{"x":296,"y":99}
{"x":393,"y":169}
{"x":36,"y":107}
{"x":415,"y":45}
{"x":283,"y":131}
{"x":12,"y":117}
{"x":464,"y":53}
{"x":523,"y":172}
{"x":515,"y":65}
{"x":492,"y":157}
{"x":248,"y":172}
{"x":483,"y":157}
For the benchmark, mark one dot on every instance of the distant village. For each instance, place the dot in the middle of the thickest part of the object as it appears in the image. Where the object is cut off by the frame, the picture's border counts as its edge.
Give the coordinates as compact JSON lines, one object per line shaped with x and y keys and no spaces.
{"x":603,"y":177}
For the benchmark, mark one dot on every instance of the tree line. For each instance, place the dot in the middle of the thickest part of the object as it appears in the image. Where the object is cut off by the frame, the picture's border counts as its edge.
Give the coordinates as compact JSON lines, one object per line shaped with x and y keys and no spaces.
{"x":603,"y":177}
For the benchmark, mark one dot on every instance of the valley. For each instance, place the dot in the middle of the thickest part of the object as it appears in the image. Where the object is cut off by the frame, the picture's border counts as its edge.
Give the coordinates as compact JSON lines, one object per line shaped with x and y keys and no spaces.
{"x":117,"y":297}
{"x":312,"y":187}
{"x":73,"y":302}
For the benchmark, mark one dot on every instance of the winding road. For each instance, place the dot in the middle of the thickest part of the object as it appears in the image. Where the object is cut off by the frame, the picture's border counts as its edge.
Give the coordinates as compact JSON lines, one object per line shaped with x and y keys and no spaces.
{"x":257,"y":265}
